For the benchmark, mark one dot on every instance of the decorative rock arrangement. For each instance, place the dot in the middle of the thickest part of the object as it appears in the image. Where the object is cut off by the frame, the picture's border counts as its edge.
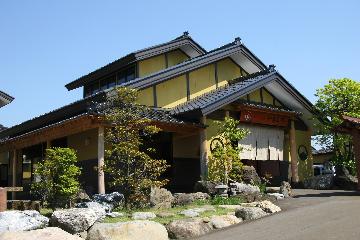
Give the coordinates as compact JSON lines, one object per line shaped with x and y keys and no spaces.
{"x":39,"y":234}
{"x":98,"y":208}
{"x":246,"y":188}
{"x":250,"y":175}
{"x":188,"y":228}
{"x":74,"y":220}
{"x":321,"y":182}
{"x":110,"y":201}
{"x":286,"y":189}
{"x":160,"y":198}
{"x":22,"y":220}
{"x":266,"y":206}
{"x":224,"y":221}
{"x":250,"y":213}
{"x":23,"y":205}
{"x":205,"y":187}
{"x":181,"y":199}
{"x":132,"y":230}
{"x":143,"y":215}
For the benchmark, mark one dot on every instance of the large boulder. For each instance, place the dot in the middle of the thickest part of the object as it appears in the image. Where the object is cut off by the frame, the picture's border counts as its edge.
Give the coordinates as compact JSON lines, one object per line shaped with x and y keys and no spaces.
{"x":266,"y":206}
{"x":321,"y":182}
{"x":50,"y":233}
{"x":250,"y":175}
{"x":74,"y":220}
{"x":82,"y":196}
{"x":132,"y":230}
{"x":224,"y":221}
{"x":205,"y":187}
{"x":160,"y":198}
{"x":110,"y":200}
{"x":276,"y":196}
{"x":181,"y":199}
{"x":22,"y":220}
{"x":98,"y":208}
{"x":250,"y":213}
{"x":188,"y":228}
{"x":344,"y":179}
{"x":285,"y":189}
{"x":244,"y":188}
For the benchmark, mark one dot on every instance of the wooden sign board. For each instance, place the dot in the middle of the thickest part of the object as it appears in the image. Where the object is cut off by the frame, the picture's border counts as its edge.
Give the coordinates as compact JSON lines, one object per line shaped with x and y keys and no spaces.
{"x":265,"y":118}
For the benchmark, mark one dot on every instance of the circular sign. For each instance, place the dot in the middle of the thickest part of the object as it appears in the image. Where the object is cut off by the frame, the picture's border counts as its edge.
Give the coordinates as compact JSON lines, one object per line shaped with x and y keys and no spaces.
{"x":303,"y":153}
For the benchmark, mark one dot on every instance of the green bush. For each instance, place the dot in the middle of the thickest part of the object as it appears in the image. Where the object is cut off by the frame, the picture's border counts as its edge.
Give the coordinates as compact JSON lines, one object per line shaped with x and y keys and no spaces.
{"x":56,"y":178}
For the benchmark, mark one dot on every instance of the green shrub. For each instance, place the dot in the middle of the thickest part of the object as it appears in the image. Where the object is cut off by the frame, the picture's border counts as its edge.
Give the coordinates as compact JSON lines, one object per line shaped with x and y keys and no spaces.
{"x":56,"y":178}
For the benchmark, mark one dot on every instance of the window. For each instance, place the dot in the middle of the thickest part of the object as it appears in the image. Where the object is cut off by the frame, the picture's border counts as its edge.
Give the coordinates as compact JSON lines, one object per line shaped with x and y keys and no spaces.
{"x":126,"y":75}
{"x":121,"y":77}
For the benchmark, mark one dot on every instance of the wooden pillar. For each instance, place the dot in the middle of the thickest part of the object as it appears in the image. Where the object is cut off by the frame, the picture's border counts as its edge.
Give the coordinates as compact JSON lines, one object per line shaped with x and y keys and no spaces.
{"x":203,"y":151}
{"x":101,"y":153}
{"x":48,"y":144}
{"x":14,"y":166}
{"x":356,"y":142}
{"x":293,"y":154}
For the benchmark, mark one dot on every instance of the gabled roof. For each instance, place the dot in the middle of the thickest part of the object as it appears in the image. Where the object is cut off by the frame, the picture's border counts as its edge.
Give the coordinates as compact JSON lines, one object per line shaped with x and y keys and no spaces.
{"x":237,"y":88}
{"x":235,"y":48}
{"x":5,"y":99}
{"x":181,"y":41}
{"x":227,"y":94}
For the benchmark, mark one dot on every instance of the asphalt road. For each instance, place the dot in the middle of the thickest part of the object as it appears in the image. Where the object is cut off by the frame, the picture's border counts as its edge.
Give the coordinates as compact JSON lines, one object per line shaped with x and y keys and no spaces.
{"x":310,"y":215}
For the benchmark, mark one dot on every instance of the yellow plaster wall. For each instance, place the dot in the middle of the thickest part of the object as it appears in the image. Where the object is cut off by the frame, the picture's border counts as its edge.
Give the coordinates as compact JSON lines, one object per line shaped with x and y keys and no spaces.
{"x":304,"y":167}
{"x":85,"y":144}
{"x":267,"y":98}
{"x":186,"y":146}
{"x":202,"y":80}
{"x":172,"y":92}
{"x":151,"y":65}
{"x":255,"y":96}
{"x":146,"y":96}
{"x":211,"y":132}
{"x":176,"y":57}
{"x":227,"y":70}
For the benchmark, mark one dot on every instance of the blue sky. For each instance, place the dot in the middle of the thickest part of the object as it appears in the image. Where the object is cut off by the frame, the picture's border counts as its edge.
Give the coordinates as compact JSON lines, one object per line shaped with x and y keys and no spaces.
{"x":46,"y":44}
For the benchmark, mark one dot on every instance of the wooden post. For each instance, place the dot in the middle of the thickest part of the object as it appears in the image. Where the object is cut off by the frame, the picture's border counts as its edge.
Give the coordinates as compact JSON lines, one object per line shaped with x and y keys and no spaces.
{"x":203,"y":151}
{"x":293,"y":154}
{"x":48,"y":144}
{"x":14,"y":159}
{"x":101,"y":153}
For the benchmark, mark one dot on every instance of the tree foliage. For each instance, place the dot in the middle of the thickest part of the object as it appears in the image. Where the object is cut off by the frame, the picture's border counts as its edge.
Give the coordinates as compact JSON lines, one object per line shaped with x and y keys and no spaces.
{"x":225,"y":162}
{"x":130,"y":167}
{"x":56,"y":178}
{"x":338,"y":97}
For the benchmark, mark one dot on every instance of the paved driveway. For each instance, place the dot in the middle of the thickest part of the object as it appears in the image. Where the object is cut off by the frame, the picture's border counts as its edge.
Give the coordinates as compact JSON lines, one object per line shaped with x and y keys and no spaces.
{"x":310,"y":215}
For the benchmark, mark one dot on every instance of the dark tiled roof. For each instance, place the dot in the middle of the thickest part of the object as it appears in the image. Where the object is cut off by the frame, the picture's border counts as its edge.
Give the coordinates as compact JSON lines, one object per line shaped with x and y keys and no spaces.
{"x":132,"y":57}
{"x":228,"y":93}
{"x":162,"y":115}
{"x":2,"y":128}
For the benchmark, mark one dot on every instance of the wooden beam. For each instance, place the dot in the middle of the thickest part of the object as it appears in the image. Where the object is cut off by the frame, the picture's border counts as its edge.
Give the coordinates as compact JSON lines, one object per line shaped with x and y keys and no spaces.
{"x":63,"y":129}
{"x":14,"y":166}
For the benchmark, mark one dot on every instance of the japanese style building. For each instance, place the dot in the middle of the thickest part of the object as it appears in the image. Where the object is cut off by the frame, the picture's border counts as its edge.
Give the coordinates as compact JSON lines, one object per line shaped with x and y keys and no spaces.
{"x":188,"y":89}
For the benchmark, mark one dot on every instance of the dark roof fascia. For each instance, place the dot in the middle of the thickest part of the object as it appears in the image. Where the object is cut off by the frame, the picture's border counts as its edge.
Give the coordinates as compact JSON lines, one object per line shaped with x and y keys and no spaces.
{"x":296,"y":94}
{"x":253,"y":58}
{"x":233,"y":97}
{"x":133,"y":57}
{"x":184,"y":67}
{"x":68,"y":111}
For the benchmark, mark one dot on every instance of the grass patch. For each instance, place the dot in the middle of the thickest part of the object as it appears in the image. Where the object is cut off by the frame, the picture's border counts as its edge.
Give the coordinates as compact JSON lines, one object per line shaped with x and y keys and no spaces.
{"x":174,"y":212}
{"x":46,"y":212}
